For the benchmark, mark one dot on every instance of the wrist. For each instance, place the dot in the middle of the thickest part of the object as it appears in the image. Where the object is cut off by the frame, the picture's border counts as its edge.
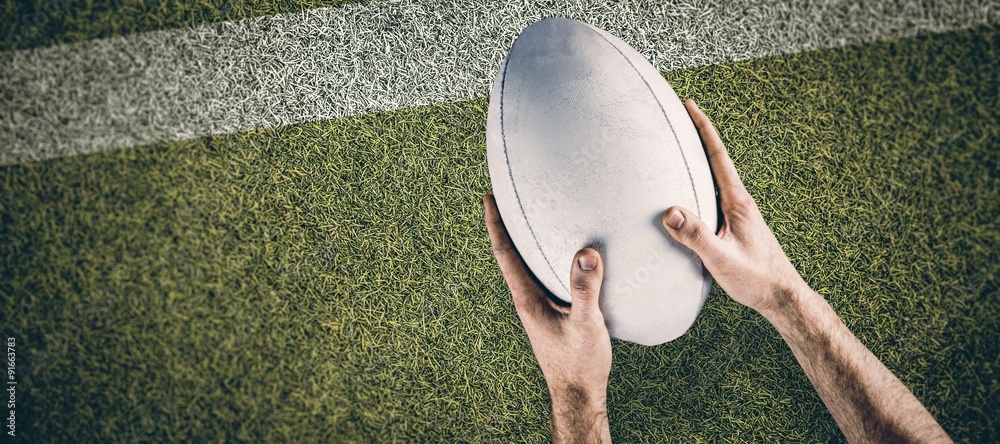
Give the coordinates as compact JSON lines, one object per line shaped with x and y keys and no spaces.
{"x":579,"y":415}
{"x":578,"y":396}
{"x":786,"y":300}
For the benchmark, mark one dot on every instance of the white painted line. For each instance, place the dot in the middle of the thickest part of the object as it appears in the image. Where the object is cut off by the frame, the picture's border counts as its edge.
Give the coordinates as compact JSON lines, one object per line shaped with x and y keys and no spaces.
{"x":383,"y":55}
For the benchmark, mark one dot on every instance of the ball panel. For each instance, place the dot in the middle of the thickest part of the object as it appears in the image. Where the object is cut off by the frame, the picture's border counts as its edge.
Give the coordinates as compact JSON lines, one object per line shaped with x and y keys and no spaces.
{"x":685,"y":132}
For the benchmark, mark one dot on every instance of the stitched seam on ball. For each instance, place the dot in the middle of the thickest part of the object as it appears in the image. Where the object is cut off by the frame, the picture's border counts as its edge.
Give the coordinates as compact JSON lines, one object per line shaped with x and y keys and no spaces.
{"x":510,"y":172}
{"x":694,"y":190}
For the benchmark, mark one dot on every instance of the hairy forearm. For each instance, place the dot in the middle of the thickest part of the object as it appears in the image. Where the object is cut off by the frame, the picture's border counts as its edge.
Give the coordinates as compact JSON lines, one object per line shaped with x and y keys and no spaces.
{"x":868,"y":402}
{"x":578,"y":416}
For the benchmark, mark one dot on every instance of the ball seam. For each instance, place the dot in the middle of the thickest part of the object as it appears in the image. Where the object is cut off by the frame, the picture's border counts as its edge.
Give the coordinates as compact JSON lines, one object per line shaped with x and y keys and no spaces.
{"x":680,"y":148}
{"x":510,"y":172}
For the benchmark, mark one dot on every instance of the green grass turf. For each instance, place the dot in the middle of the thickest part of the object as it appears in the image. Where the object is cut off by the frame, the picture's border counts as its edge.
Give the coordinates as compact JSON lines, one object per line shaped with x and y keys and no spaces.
{"x":34,"y":23}
{"x":333,"y":280}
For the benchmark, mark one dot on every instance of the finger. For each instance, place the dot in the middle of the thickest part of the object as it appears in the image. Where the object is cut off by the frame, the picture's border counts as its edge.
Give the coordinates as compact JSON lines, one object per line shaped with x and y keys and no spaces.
{"x":528,"y":296}
{"x":726,"y":177}
{"x":585,"y":283}
{"x":690,"y":231}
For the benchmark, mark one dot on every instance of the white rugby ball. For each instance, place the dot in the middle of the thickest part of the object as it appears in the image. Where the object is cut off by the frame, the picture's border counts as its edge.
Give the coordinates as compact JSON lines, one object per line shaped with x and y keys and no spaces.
{"x":587,"y":145}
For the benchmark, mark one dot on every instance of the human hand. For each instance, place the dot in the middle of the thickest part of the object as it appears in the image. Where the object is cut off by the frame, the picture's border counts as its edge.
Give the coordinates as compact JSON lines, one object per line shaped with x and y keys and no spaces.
{"x":572,"y":344}
{"x":868,"y":402}
{"x":744,"y":257}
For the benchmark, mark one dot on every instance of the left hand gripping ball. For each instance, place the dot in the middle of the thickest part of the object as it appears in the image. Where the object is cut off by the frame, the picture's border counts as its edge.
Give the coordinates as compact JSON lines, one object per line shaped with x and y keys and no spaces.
{"x":587,"y":144}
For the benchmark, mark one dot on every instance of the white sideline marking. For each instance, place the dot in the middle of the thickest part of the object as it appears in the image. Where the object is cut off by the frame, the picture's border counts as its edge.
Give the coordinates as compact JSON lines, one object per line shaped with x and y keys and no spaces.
{"x":389,"y":54}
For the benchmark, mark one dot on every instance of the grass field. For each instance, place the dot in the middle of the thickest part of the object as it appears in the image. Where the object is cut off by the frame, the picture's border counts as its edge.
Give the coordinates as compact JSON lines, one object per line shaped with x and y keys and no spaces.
{"x":333,"y":280}
{"x":33,"y":23}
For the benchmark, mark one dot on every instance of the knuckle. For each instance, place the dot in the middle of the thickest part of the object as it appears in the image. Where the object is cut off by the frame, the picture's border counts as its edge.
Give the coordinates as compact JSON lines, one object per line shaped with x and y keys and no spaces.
{"x":523,"y":312}
{"x":501,"y":253}
{"x":696,"y":235}
{"x":581,"y":284}
{"x":742,"y":205}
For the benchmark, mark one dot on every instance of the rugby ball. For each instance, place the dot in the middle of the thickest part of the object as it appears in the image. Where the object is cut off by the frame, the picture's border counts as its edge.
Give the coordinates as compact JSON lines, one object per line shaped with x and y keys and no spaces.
{"x":587,"y":145}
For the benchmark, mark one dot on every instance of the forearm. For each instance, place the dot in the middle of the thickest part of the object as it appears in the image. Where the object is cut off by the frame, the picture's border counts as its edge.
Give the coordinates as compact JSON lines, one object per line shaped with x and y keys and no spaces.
{"x":578,"y":416}
{"x":868,"y":402}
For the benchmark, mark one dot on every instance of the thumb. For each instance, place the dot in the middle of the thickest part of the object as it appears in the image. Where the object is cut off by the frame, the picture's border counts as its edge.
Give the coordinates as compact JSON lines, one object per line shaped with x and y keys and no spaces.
{"x":585,"y":283}
{"x":691,"y":232}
